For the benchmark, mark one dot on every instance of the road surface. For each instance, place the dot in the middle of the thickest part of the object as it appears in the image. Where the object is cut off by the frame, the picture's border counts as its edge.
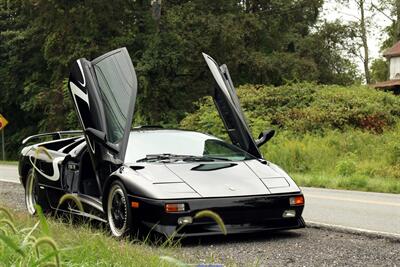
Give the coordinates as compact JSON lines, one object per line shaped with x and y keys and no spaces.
{"x":360,"y":210}
{"x":357,"y":210}
{"x":9,"y":173}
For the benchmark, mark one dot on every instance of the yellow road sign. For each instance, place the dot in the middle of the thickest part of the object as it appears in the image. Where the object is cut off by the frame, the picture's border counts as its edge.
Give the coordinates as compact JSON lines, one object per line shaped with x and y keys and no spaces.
{"x":3,"y":122}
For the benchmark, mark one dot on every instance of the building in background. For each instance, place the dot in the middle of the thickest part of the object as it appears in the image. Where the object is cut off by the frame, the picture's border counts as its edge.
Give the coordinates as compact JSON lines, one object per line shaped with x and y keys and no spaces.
{"x":393,"y":56}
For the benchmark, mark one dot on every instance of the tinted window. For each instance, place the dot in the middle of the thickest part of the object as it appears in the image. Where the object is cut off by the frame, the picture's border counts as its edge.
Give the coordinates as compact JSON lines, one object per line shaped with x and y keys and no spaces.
{"x":116,"y":78}
{"x":220,"y":149}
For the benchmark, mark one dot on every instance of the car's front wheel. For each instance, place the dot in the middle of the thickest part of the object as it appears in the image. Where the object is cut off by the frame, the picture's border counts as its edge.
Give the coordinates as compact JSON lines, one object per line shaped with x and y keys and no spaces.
{"x":119,"y":213}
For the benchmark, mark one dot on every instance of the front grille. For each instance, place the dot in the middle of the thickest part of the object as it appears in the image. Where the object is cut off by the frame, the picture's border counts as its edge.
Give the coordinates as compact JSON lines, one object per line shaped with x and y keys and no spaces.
{"x":255,"y":215}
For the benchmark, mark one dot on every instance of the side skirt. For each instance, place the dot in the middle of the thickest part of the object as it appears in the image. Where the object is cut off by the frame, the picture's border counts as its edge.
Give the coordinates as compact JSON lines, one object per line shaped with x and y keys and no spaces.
{"x":92,"y":206}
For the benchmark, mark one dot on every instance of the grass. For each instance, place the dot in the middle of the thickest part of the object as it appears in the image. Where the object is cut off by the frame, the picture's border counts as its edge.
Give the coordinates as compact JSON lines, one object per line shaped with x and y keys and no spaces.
{"x":8,"y":162}
{"x":354,"y":159}
{"x":360,"y":183}
{"x":41,"y":241}
{"x":78,"y":245}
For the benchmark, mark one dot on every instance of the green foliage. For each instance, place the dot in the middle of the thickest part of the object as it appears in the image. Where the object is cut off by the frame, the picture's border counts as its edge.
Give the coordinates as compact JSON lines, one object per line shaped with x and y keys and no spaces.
{"x":71,"y":246}
{"x":326,"y":46}
{"x":214,"y":216}
{"x":339,"y":159}
{"x":346,"y":167}
{"x":305,"y":108}
{"x":379,"y":70}
{"x":26,"y":244}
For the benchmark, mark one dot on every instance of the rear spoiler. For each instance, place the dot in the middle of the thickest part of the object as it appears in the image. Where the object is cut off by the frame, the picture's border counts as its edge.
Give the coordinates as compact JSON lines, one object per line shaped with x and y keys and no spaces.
{"x":54,"y":135}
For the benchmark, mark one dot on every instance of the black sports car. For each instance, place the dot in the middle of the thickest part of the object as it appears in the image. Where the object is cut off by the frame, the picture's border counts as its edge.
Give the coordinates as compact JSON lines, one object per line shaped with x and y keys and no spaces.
{"x":155,"y":178}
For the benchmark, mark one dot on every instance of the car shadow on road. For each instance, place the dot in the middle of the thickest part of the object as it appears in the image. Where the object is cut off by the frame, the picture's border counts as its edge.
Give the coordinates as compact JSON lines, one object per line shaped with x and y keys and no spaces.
{"x":240,"y":238}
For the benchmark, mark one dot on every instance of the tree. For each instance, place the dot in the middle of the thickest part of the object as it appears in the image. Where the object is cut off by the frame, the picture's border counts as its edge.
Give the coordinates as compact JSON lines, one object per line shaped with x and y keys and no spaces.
{"x":364,"y":39}
{"x":391,"y":10}
{"x":360,"y":26}
{"x":38,"y":41}
{"x":328,"y":47}
{"x":379,"y":70}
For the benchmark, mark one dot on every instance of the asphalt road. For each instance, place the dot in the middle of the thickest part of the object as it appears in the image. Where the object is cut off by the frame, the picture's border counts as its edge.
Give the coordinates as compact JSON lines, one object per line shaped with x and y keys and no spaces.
{"x":352,"y":209}
{"x":9,"y":173}
{"x":359,"y":210}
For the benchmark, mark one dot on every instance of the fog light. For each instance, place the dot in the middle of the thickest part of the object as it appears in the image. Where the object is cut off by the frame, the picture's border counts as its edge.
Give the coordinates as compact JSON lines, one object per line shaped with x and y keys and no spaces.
{"x":289,"y":214}
{"x":174,"y":207}
{"x":185,"y":220}
{"x":296,"y":201}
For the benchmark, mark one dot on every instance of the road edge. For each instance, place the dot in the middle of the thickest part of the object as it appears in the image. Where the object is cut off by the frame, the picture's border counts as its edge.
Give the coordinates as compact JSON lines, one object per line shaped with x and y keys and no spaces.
{"x":353,"y":230}
{"x":9,"y":181}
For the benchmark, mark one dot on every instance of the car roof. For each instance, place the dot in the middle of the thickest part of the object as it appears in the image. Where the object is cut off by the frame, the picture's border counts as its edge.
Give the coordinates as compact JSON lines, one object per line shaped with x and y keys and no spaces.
{"x":142,"y":129}
{"x":159,"y":128}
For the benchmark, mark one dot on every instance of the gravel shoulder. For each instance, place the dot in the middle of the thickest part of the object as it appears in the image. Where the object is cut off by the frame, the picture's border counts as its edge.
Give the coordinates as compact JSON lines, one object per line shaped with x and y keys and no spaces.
{"x":12,"y":194}
{"x":304,"y":247}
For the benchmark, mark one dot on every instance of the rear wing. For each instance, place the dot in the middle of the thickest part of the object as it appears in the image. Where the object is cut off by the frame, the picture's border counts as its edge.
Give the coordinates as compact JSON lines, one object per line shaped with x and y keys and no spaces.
{"x":53,"y":135}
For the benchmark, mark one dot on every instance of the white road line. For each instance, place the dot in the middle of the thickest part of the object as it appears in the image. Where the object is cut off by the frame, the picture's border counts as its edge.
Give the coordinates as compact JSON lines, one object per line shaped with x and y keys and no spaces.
{"x":9,"y":181}
{"x":352,"y":200}
{"x":354,"y":229}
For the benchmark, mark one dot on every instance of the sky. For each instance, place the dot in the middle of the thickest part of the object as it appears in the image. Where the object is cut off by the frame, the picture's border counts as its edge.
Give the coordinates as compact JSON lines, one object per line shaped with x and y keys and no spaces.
{"x":332,"y":11}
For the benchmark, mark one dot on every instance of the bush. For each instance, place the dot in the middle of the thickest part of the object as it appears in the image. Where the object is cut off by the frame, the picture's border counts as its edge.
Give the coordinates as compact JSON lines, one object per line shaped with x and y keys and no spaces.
{"x":305,"y":108}
{"x":346,"y":166}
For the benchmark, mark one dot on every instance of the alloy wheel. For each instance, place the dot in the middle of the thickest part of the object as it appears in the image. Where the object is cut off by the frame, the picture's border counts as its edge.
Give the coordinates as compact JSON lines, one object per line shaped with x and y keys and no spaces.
{"x":31,"y":192}
{"x":117,"y":211}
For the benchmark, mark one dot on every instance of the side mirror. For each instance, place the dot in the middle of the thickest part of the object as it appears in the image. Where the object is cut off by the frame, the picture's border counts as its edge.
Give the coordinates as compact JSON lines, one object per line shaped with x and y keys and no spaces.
{"x":99,"y":136}
{"x":264,"y":137}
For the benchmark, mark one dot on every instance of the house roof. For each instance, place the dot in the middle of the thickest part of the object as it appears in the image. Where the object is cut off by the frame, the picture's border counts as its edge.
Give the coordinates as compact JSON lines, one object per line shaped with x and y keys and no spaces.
{"x":393,"y":51}
{"x":386,"y":84}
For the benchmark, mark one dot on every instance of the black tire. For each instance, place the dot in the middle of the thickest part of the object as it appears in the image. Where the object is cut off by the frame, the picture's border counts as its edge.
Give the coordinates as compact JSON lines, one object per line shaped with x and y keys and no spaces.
{"x":31,"y":192}
{"x":119,"y":213}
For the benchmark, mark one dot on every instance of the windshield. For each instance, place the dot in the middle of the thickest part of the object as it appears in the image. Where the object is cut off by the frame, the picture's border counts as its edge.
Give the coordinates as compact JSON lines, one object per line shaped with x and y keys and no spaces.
{"x":192,"y":146}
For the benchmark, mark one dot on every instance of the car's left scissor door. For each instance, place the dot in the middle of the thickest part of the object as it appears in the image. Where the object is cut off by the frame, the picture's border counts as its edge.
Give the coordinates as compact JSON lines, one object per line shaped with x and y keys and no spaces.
{"x":104,"y":94}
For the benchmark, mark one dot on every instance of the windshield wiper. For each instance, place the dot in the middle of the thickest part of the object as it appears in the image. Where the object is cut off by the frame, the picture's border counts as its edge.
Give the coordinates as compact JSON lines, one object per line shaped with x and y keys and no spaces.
{"x":204,"y":158}
{"x":186,"y":158}
{"x":157,"y":157}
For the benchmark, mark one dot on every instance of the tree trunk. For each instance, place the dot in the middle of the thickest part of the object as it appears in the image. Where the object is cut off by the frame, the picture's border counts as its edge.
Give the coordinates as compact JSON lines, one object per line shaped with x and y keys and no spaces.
{"x":364,"y":40}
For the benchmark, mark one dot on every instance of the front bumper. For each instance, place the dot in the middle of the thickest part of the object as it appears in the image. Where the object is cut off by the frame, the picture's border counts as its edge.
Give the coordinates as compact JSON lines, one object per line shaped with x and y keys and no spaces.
{"x":240,"y":214}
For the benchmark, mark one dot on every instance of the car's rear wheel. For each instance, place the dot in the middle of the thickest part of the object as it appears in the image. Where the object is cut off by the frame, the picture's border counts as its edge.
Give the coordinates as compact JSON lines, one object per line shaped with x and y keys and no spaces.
{"x":119,"y":214}
{"x":31,"y":192}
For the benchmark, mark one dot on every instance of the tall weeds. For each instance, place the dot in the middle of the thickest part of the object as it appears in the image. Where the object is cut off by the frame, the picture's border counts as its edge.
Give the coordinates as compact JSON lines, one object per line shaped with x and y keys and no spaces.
{"x":25,"y":245}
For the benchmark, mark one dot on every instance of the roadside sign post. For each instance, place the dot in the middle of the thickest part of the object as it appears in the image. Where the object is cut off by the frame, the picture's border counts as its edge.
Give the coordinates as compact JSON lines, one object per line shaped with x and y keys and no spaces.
{"x":2,"y":145}
{"x":3,"y":123}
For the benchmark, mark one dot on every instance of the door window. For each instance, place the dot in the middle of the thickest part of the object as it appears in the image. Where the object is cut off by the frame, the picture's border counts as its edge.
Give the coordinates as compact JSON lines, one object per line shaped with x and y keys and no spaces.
{"x":116,"y":78}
